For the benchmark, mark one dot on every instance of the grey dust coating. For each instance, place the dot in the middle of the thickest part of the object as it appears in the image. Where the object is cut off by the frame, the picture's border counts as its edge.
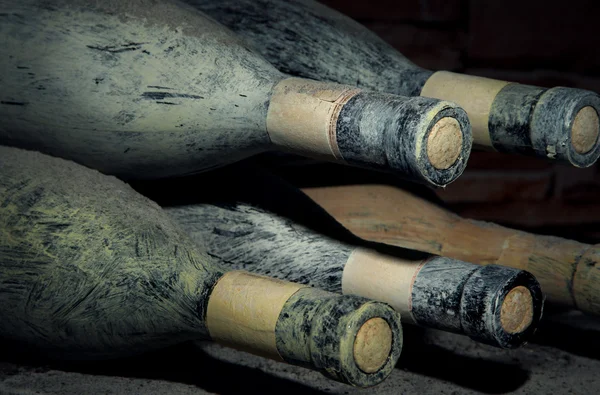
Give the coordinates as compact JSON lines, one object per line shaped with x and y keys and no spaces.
{"x":469,"y":299}
{"x":446,"y":293}
{"x":536,"y":121}
{"x":146,"y":89}
{"x":318,"y":329}
{"x":392,"y":149}
{"x":307,"y":39}
{"x":91,"y":269}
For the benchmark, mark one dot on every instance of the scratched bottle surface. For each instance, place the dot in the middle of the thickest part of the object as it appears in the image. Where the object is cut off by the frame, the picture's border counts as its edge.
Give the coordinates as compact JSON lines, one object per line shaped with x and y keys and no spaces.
{"x":308,"y":39}
{"x":260,"y":224}
{"x":91,"y":269}
{"x":146,"y":89}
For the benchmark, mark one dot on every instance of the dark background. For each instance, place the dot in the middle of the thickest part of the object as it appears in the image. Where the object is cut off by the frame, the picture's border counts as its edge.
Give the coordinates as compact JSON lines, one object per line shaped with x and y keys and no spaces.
{"x":544,"y":43}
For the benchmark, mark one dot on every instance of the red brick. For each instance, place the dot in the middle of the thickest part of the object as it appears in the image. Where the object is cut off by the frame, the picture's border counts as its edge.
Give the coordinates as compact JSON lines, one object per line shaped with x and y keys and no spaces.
{"x":535,"y":33}
{"x":532,"y":214}
{"x":408,"y":10}
{"x":430,"y":48}
{"x":485,"y":160}
{"x":498,"y":186}
{"x":574,"y":185}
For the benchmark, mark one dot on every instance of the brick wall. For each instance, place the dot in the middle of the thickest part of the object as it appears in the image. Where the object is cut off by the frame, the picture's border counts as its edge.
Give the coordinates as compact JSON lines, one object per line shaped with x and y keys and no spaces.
{"x":535,"y":42}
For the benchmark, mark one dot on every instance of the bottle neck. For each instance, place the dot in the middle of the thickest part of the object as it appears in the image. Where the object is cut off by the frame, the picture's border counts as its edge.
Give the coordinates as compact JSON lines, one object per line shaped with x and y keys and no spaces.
{"x":418,"y":138}
{"x":475,"y":94}
{"x":303,"y":115}
{"x":381,"y":277}
{"x":557,"y":123}
{"x":352,"y":339}
{"x":243,"y":311}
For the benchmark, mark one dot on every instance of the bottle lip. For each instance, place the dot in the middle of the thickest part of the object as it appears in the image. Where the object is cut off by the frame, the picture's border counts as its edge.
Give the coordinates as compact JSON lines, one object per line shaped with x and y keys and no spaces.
{"x":565,"y":126}
{"x":370,"y":343}
{"x":443,"y":150}
{"x":509,"y":309}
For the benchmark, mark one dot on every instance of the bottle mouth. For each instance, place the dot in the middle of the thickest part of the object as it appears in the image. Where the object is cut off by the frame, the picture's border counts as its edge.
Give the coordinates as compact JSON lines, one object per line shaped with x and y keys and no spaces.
{"x":363,"y":346}
{"x":516,"y":314}
{"x":443,"y":150}
{"x":501,"y":306}
{"x":444,"y":143}
{"x":585,"y":130}
{"x":373,"y":345}
{"x":565,"y":126}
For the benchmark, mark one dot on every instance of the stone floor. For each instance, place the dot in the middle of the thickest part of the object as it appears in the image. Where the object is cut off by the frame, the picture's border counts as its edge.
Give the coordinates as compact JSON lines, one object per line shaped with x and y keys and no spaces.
{"x":564,"y":358}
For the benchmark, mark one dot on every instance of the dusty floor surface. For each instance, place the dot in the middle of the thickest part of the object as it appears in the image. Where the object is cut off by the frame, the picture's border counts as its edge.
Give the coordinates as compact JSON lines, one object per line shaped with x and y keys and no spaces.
{"x":564,"y":358}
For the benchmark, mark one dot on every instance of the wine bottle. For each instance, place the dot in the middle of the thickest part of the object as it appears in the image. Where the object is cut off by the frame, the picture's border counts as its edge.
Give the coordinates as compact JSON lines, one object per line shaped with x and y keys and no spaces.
{"x":307,"y":39}
{"x":252,"y":222}
{"x":567,"y":270}
{"x":151,"y":89}
{"x":91,"y":269}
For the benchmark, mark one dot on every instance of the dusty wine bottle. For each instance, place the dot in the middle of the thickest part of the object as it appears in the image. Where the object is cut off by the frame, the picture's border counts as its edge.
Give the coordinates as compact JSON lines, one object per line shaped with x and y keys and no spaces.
{"x":147,"y":89}
{"x":90,"y":269}
{"x":567,"y":270}
{"x":244,"y":225}
{"x":308,"y":39}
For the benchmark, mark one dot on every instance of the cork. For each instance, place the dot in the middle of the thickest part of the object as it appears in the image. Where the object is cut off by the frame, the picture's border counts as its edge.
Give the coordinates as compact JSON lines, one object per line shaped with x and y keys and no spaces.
{"x":475,"y":94}
{"x":516,"y":314}
{"x":373,"y":345}
{"x":585,"y":130}
{"x":444,"y":143}
{"x":243,"y":310}
{"x":303,"y":114}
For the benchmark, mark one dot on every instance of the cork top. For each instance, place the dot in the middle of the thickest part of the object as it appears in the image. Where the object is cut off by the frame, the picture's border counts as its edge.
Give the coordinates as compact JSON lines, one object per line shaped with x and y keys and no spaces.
{"x":517,"y":310}
{"x":444,"y":143}
{"x":585,"y":130}
{"x":373,"y":345}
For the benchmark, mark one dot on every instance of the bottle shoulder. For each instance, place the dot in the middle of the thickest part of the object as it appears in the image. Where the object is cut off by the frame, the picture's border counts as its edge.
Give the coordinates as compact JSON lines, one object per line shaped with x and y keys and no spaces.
{"x":307,"y":39}
{"x":88,"y":250}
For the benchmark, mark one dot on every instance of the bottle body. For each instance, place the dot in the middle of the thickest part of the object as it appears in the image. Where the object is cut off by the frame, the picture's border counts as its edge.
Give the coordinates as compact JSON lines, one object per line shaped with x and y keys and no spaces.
{"x":126,"y":80}
{"x":90,"y":269}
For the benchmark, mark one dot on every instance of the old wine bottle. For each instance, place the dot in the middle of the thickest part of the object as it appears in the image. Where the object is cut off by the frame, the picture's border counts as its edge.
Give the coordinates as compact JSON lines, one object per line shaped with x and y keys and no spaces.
{"x":567,"y":270}
{"x":147,"y":89}
{"x":491,"y":304}
{"x":308,"y":39}
{"x":91,"y":269}
{"x":254,"y":222}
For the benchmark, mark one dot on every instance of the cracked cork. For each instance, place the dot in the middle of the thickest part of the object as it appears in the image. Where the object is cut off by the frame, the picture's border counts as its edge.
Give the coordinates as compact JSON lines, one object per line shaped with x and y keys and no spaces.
{"x":585,"y":130}
{"x":444,"y":144}
{"x":516,"y":314}
{"x":372,"y":345}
